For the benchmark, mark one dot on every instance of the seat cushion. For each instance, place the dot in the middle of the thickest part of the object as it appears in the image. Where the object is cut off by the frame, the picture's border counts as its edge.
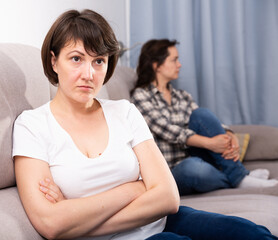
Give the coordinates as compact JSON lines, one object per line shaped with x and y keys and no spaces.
{"x":261,"y":209}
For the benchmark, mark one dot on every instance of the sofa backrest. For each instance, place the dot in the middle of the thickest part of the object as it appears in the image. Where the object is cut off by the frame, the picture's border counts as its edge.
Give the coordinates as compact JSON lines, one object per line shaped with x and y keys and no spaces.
{"x":22,"y":86}
{"x":120,"y":84}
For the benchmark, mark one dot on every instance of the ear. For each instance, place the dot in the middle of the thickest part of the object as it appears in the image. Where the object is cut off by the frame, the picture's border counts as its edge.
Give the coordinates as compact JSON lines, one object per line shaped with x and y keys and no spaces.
{"x":154,"y":66}
{"x":53,"y":61}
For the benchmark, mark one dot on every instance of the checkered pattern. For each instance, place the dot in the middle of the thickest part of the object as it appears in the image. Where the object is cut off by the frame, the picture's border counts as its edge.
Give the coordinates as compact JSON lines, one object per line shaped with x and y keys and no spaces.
{"x":168,"y":123}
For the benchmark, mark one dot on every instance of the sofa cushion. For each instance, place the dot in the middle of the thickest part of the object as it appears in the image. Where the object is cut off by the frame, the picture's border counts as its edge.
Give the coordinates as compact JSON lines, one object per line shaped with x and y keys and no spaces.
{"x":22,"y":86}
{"x":120,"y":84}
{"x":243,"y":140}
{"x":14,"y":223}
{"x":263,"y":144}
{"x":103,"y":94}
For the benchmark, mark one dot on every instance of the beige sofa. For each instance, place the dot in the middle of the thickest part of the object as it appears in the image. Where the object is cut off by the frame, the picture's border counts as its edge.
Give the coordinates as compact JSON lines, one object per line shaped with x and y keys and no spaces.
{"x":24,"y":86}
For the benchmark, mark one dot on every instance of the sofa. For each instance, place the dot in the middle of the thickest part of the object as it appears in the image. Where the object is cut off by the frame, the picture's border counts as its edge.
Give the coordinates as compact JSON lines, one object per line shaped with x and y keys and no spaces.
{"x":24,"y":86}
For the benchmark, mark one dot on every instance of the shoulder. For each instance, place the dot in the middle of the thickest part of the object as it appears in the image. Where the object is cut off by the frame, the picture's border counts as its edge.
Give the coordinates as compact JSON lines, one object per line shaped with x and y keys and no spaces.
{"x":141,"y":93}
{"x":33,"y":116}
{"x":182,"y":93}
{"x":31,"y":132}
{"x":122,"y":107}
{"x":122,"y":112}
{"x":114,"y":103}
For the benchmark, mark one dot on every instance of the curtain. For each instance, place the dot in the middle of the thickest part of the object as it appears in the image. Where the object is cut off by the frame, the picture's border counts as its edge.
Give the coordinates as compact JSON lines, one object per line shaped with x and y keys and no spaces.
{"x":228,"y":51}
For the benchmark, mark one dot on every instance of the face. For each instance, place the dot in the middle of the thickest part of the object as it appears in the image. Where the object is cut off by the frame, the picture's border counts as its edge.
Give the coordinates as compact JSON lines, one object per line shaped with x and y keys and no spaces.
{"x":169,"y":70}
{"x":81,"y":75}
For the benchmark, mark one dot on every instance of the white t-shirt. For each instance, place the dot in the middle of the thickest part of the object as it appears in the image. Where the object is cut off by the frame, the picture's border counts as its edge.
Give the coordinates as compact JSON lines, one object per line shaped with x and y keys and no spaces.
{"x":38,"y":135}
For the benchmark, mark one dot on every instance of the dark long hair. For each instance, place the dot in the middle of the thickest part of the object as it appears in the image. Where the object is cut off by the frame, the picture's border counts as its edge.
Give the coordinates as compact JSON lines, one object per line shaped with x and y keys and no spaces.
{"x":153,"y":51}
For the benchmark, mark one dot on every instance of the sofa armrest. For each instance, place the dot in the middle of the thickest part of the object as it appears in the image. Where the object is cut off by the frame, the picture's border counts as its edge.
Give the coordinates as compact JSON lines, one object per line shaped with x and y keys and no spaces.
{"x":263,"y":143}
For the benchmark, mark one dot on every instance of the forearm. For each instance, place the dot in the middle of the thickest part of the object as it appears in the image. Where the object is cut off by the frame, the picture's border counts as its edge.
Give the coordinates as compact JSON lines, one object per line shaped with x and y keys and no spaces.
{"x":147,"y":208}
{"x":198,"y":141}
{"x":171,"y":133}
{"x":76,"y":217}
{"x":217,"y":144}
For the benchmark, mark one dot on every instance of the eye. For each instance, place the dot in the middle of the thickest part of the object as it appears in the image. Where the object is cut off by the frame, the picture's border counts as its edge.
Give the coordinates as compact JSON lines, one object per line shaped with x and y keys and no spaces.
{"x":75,"y":59}
{"x":99,"y":61}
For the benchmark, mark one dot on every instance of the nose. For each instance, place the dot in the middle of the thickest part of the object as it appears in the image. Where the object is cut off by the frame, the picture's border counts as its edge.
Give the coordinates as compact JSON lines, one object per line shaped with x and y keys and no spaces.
{"x":178,"y":64}
{"x":88,"y":71}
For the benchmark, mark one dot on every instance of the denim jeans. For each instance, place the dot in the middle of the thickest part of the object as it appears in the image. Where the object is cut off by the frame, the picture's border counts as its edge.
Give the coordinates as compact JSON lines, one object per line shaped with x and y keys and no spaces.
{"x":204,"y":170}
{"x":193,"y":224}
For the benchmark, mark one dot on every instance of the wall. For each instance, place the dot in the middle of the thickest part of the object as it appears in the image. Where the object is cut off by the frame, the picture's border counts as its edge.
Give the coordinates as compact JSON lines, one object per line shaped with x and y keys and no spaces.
{"x":28,"y":21}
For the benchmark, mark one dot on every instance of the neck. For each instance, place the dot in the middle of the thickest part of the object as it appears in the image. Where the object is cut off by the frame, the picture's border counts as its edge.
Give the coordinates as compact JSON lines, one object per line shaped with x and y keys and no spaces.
{"x":67,"y":106}
{"x":162,"y":86}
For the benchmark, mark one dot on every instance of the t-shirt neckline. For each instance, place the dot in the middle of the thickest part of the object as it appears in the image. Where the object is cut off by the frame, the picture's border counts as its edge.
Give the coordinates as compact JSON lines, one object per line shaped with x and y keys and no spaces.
{"x":68,"y":136}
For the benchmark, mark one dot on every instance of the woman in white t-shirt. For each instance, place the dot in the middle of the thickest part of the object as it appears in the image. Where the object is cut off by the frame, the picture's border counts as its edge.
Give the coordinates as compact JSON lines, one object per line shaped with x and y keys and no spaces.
{"x":87,"y":167}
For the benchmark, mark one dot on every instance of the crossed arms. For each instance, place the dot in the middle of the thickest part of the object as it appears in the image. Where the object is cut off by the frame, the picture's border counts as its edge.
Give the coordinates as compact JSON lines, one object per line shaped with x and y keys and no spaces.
{"x":122,"y":208}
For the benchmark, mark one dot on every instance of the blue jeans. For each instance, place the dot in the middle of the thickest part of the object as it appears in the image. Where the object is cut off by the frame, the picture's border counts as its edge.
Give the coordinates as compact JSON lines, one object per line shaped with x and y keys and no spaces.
{"x":205,"y":170}
{"x":189,"y":223}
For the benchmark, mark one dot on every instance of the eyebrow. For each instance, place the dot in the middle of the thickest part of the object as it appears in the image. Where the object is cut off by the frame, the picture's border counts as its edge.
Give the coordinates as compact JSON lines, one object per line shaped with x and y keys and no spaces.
{"x":76,"y":51}
{"x":83,"y":54}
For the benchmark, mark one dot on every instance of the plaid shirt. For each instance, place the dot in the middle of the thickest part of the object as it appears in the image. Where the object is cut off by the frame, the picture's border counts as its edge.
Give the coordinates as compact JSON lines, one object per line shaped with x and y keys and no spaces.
{"x":168,"y":123}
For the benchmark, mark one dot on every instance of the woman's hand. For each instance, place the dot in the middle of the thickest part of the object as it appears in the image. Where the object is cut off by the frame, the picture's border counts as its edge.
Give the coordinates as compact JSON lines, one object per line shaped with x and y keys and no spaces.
{"x":219,"y":143}
{"x":51,"y":191}
{"x":226,"y":144}
{"x":233,"y":151}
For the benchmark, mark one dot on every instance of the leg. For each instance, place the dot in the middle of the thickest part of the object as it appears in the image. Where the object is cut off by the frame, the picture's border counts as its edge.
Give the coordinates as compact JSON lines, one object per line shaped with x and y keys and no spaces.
{"x":201,"y":225}
{"x":196,"y":175}
{"x":205,"y":123}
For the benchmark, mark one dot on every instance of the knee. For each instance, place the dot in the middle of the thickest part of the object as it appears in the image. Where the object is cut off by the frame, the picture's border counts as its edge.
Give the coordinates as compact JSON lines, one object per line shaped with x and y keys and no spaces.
{"x":249,"y":230}
{"x":258,"y":232}
{"x":201,"y":113}
{"x":205,"y":122}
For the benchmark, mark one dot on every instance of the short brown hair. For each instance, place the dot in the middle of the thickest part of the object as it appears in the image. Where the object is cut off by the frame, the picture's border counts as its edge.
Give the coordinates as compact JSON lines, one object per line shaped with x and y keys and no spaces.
{"x":89,"y":27}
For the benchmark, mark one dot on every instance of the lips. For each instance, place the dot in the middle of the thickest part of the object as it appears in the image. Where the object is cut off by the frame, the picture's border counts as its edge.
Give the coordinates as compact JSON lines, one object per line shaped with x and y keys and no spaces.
{"x":84,"y":86}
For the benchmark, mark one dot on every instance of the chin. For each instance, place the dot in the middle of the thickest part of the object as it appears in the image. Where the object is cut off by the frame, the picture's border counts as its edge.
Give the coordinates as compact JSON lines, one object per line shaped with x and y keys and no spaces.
{"x":85,"y":99}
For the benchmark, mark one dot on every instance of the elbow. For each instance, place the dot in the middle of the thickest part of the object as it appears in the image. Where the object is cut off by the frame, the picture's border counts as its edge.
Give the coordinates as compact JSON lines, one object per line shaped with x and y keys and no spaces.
{"x":50,"y":234}
{"x":172,"y":202}
{"x":174,"y":206}
{"x":49,"y":228}
{"x":175,"y":198}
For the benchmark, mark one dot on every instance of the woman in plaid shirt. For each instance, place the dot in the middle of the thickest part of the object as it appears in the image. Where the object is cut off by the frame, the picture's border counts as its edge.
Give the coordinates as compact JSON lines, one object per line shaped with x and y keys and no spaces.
{"x":202,"y":153}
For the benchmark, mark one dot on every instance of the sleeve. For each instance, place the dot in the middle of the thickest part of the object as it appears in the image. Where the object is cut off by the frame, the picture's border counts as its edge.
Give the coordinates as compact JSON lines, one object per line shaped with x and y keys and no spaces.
{"x":27,"y":138}
{"x":160,"y":125}
{"x":139,"y":128}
